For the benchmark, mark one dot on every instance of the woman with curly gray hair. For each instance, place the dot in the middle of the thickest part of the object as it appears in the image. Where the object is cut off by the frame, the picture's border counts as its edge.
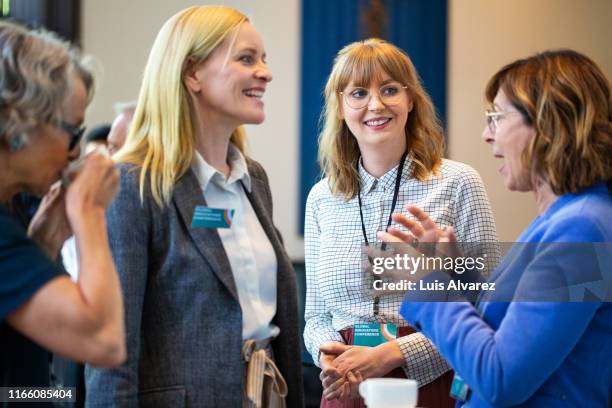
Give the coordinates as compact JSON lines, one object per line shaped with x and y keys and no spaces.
{"x":43,"y":95}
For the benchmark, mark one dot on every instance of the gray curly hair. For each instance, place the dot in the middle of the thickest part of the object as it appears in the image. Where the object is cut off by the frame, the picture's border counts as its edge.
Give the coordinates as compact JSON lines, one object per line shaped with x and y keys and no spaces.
{"x":36,"y":75}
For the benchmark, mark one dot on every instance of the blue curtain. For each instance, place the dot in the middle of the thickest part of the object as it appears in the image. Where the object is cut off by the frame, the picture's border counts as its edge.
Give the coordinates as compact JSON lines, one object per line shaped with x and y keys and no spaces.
{"x":419,"y":27}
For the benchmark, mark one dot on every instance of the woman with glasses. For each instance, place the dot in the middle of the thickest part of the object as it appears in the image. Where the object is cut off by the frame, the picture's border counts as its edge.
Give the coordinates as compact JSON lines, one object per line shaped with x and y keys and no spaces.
{"x":380,"y":149}
{"x":550,"y":123}
{"x":43,"y":95}
{"x":210,"y":293}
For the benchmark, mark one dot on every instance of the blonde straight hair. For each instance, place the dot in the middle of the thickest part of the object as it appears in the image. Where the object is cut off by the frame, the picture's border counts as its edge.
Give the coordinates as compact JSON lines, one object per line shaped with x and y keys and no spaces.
{"x":161,"y":140}
{"x":363,"y":62}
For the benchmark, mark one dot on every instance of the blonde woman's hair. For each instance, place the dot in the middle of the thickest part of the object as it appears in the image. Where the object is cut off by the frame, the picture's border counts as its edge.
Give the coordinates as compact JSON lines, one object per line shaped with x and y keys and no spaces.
{"x":363,"y":62}
{"x":566,"y":98}
{"x":161,"y":140}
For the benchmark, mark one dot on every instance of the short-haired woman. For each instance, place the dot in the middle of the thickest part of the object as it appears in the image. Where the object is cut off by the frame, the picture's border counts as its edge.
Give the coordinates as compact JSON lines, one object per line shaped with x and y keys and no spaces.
{"x":550,"y":122}
{"x":43,"y":96}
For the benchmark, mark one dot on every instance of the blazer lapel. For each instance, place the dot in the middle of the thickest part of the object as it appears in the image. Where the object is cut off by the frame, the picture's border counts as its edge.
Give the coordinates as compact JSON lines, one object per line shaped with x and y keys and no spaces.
{"x":187,"y":195}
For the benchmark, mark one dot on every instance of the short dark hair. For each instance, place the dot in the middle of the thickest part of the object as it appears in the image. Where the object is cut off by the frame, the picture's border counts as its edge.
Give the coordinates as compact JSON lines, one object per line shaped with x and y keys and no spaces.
{"x":98,"y":134}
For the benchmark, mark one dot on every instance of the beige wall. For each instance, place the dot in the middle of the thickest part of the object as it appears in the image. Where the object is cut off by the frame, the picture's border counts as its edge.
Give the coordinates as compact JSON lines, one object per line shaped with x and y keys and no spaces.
{"x":483,"y":35}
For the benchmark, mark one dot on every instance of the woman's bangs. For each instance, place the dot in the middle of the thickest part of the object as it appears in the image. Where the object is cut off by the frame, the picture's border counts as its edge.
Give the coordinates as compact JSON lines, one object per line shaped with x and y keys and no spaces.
{"x":361,"y":69}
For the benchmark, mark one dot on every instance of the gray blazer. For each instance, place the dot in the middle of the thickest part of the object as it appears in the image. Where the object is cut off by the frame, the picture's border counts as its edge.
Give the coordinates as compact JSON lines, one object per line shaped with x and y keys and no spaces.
{"x":183,"y":319}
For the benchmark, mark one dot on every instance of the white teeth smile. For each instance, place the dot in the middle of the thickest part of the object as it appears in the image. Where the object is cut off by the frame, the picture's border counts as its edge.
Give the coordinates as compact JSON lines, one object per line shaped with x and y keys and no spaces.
{"x":377,"y":122}
{"x":254,"y":93}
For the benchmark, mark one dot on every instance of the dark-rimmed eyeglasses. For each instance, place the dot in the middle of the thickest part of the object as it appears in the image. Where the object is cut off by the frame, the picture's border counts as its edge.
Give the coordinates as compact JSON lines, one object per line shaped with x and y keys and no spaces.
{"x":75,"y":133}
{"x":358,"y":98}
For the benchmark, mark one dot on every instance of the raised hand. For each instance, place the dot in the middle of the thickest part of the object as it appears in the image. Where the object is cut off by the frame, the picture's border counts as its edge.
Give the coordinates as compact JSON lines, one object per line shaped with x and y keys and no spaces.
{"x":93,"y":188}
{"x":423,"y":230}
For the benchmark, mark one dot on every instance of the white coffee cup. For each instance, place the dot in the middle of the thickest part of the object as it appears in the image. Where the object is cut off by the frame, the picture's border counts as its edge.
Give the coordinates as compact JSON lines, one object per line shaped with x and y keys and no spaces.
{"x":389,"y":393}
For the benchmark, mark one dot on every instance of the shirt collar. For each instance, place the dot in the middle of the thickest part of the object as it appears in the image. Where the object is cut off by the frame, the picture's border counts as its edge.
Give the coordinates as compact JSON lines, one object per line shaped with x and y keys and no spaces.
{"x":205,"y":173}
{"x":387,"y":180}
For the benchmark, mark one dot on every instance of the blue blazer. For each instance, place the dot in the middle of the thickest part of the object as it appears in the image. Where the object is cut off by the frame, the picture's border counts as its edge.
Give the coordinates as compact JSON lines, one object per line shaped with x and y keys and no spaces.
{"x":529,"y":353}
{"x":182,"y":314}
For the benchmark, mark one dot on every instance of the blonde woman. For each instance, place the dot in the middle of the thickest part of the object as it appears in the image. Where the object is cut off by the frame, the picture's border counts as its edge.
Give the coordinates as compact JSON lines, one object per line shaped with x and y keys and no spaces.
{"x":380,"y":149}
{"x":210,"y":297}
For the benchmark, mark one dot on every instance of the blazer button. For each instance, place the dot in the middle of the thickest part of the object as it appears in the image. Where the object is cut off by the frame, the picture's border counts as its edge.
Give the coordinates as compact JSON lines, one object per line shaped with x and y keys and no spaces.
{"x":563,"y":397}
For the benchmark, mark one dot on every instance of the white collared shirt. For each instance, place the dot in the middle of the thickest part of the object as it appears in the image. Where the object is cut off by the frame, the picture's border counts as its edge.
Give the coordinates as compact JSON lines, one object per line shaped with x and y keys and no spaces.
{"x":246,"y":244}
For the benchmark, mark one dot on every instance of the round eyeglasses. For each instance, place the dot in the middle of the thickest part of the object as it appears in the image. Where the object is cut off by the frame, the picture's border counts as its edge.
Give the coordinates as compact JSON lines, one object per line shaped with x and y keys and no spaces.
{"x":358,"y":98}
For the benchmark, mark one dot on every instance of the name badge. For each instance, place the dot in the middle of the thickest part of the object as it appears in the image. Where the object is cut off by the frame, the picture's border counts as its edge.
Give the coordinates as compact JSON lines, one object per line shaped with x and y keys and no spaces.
{"x":206,"y":217}
{"x":373,"y":334}
{"x":459,"y":389}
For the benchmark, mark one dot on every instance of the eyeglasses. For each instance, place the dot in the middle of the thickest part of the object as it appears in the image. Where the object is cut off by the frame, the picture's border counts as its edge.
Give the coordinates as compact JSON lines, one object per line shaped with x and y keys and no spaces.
{"x":359,"y":98}
{"x":495,"y":117}
{"x":75,"y":133}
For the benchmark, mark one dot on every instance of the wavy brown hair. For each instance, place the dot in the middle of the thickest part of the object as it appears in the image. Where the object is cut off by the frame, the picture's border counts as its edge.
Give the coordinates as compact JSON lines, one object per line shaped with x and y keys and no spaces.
{"x":363,"y":62}
{"x":566,"y":98}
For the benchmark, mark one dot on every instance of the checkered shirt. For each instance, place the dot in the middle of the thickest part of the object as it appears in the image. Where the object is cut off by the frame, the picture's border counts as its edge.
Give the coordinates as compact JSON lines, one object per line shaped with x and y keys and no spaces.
{"x":335,"y":295}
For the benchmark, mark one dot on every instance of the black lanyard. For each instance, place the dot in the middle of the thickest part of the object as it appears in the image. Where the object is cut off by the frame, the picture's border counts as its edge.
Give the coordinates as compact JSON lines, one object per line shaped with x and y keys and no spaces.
{"x":398,"y":179}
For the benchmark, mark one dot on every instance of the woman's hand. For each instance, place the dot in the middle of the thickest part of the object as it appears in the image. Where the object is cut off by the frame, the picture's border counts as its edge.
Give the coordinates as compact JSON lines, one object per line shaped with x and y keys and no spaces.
{"x":351,"y":389}
{"x":330,"y":376}
{"x":342,"y":375}
{"x":370,"y":362}
{"x":336,"y":385}
{"x":424,"y":237}
{"x":49,"y":227}
{"x":358,"y":363}
{"x":388,"y":267}
{"x":93,"y":188}
{"x":346,"y":388}
{"x":424,"y":230}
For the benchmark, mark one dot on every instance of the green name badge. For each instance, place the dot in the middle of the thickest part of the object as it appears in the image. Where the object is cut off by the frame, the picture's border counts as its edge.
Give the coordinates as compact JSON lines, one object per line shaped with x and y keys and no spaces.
{"x":459,"y":389}
{"x":373,"y":334}
{"x":206,"y":217}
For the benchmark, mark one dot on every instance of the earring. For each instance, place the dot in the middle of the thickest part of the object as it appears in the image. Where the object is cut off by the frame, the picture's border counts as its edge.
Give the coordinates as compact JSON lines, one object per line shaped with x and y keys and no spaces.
{"x":16,"y":143}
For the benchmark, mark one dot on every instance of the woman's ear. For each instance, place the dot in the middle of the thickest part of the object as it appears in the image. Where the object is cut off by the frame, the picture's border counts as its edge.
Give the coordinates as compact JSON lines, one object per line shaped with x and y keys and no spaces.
{"x":410,"y":103}
{"x":192,"y":75}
